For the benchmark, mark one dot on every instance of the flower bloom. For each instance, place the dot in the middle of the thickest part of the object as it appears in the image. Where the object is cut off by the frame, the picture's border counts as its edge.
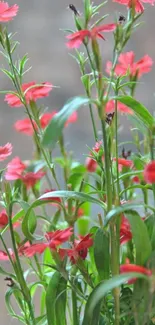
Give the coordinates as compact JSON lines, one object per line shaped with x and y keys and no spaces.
{"x":79,"y":249}
{"x":5,"y":151}
{"x":5,"y":257}
{"x":91,"y":163}
{"x":7,"y":13}
{"x":125,"y":268}
{"x":77,"y":38}
{"x":3,"y":219}
{"x":126,"y":63}
{"x":25,"y":126}
{"x":124,"y":162}
{"x":125,"y":231}
{"x":149,"y":172}
{"x":31,"y":94}
{"x":110,"y":107}
{"x":54,"y":239}
{"x":137,"y":4}
{"x":16,"y":169}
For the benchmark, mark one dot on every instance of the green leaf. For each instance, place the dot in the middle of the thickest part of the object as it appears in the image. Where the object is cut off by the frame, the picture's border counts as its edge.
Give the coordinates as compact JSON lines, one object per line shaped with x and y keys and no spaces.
{"x":102,"y":289}
{"x":138,"y":228}
{"x":83,"y":197}
{"x":141,"y":111}
{"x":60,"y":308}
{"x":102,"y":253}
{"x":51,"y":296}
{"x":29,"y":223}
{"x":55,"y":127}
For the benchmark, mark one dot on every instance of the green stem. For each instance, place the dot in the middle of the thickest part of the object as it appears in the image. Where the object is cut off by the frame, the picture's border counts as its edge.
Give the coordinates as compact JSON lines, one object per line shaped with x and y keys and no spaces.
{"x":19,"y":271}
{"x":74,"y":308}
{"x":90,"y":106}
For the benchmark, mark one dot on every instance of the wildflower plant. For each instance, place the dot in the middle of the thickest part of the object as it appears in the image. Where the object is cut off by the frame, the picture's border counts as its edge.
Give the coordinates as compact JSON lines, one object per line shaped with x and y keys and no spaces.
{"x":86,"y":247}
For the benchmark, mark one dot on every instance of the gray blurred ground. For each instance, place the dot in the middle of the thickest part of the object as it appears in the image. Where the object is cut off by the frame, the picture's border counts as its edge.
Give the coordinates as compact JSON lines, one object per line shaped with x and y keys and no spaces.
{"x":38,"y":30}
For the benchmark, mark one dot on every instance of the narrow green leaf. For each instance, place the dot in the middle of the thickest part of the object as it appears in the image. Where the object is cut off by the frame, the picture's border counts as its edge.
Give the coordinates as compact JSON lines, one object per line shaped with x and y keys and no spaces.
{"x":139,"y":230}
{"x":140,"y":237}
{"x":29,"y":223}
{"x":83,"y":197}
{"x":102,"y":253}
{"x":141,"y":111}
{"x":60,"y":308}
{"x":102,"y":289}
{"x":55,"y":127}
{"x":51,"y":296}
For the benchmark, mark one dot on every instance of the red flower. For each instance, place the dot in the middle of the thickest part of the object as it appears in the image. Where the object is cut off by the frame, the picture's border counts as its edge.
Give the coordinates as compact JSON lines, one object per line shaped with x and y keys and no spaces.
{"x":91,"y":163}
{"x":110,"y":107}
{"x":54,"y":239}
{"x":5,"y":257}
{"x":77,"y":38}
{"x":5,"y":151}
{"x":125,"y":268}
{"x":149,"y":172}
{"x":124,"y":162}
{"x":125,"y":231}
{"x":7,"y":13}
{"x":127,"y":64}
{"x":79,"y":250}
{"x":25,"y":126}
{"x":3,"y":219}
{"x":31,"y":178}
{"x":31,"y":94}
{"x":16,"y":169}
{"x":136,"y":179}
{"x":46,"y":118}
{"x":137,"y":4}
{"x":72,"y":119}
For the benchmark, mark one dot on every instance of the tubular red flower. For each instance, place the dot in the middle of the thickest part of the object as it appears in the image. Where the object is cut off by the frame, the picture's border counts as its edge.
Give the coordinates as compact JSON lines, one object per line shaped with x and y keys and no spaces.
{"x":7,"y":13}
{"x":125,"y":268}
{"x":110,"y":107}
{"x":46,"y":118}
{"x":25,"y":126}
{"x":72,"y":119}
{"x":5,"y":151}
{"x":15,"y":169}
{"x":124,"y":162}
{"x":31,"y":178}
{"x":149,"y":172}
{"x":77,"y":38}
{"x":137,"y":4}
{"x":91,"y":164}
{"x":32,"y":93}
{"x":127,"y":64}
{"x":3,"y":219}
{"x":125,"y":231}
{"x":54,"y":239}
{"x":79,"y":249}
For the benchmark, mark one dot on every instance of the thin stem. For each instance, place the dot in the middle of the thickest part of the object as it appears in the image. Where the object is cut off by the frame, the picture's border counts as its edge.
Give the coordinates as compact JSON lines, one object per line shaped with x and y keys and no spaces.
{"x":90,"y":106}
{"x":19,"y":271}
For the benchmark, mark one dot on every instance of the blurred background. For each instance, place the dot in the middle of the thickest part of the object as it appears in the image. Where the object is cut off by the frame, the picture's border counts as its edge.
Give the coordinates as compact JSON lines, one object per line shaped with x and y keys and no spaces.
{"x":38,"y":26}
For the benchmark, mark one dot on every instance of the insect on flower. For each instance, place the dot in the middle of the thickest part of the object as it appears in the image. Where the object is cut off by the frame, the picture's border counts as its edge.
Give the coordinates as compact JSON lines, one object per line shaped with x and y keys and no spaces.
{"x":109,"y":118}
{"x":121,"y":19}
{"x":72,"y":7}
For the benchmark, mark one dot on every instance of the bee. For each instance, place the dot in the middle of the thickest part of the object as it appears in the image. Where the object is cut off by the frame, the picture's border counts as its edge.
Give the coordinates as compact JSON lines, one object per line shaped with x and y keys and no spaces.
{"x":10,"y":282}
{"x":121,"y":19}
{"x":109,"y":118}
{"x":72,"y":7}
{"x":127,"y":154}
